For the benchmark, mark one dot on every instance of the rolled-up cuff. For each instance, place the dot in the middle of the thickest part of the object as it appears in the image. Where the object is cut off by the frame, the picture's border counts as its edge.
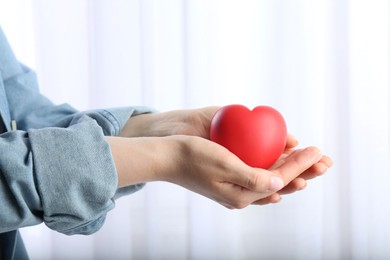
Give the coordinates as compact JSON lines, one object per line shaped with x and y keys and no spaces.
{"x":76,"y":176}
{"x":112,"y":120}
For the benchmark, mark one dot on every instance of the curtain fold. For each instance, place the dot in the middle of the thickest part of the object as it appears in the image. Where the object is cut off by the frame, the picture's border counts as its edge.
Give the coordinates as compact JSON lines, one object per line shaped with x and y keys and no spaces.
{"x":324,"y":64}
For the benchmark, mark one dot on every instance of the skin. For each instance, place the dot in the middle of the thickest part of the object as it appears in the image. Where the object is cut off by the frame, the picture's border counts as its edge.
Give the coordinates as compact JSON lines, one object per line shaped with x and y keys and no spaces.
{"x":174,"y":146}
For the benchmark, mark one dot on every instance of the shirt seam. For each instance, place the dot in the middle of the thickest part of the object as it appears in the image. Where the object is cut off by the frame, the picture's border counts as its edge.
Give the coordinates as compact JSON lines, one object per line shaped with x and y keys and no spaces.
{"x":112,"y":119}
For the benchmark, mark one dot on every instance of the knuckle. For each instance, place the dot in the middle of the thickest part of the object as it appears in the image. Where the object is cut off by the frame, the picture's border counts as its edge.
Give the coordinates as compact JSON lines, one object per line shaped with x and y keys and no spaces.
{"x":257,"y":182}
{"x":253,"y":180}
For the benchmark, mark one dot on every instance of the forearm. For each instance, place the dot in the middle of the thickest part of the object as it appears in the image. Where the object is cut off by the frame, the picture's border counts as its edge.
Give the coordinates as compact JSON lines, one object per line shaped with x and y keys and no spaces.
{"x":154,"y":124}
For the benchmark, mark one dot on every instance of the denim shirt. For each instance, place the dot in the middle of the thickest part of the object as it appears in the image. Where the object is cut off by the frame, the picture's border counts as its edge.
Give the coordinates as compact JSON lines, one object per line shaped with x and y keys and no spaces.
{"x":56,"y":167}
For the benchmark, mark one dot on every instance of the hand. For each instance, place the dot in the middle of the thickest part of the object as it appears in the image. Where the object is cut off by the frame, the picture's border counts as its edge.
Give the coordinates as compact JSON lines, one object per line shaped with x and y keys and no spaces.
{"x":194,"y":122}
{"x":298,"y":183}
{"x":211,"y":170}
{"x":208,"y":168}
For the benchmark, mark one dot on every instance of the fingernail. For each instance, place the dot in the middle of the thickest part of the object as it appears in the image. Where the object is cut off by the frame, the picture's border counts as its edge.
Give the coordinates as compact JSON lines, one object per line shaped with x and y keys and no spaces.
{"x":276,"y":184}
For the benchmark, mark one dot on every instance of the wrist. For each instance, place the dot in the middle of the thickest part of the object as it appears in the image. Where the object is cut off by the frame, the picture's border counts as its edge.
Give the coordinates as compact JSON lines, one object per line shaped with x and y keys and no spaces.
{"x":156,"y":124}
{"x":136,"y":126}
{"x":145,"y":159}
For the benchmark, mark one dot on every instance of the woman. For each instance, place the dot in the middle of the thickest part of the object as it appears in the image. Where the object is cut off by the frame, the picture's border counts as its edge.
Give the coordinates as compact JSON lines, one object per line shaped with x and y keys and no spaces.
{"x":65,"y":167}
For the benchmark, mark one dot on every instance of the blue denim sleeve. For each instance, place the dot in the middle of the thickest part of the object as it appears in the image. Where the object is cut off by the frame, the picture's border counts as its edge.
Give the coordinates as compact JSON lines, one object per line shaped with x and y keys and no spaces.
{"x":57,"y":167}
{"x":63,"y":176}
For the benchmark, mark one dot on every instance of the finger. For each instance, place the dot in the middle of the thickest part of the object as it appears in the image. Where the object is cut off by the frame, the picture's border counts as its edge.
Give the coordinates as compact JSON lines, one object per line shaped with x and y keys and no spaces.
{"x":318,"y":169}
{"x":327,"y":161}
{"x":286,"y":154}
{"x":315,"y":171}
{"x":298,"y":163}
{"x":295,"y":185}
{"x":274,"y":198}
{"x":262,"y":181}
{"x":291,"y":141}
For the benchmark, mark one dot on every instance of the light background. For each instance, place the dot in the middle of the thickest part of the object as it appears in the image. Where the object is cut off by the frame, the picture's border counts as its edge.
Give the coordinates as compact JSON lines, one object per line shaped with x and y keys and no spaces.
{"x":324,"y":64}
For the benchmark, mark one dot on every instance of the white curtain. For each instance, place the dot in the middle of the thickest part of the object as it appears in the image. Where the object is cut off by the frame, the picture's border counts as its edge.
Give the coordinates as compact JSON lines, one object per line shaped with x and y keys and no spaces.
{"x":324,"y":64}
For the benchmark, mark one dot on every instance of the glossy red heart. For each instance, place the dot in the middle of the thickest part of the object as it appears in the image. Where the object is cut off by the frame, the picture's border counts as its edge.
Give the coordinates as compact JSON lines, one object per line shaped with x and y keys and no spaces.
{"x":257,"y":137}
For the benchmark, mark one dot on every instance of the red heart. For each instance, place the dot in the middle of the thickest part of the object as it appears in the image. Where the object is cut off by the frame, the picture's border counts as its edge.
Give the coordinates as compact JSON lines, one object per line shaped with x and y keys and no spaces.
{"x":257,"y":137}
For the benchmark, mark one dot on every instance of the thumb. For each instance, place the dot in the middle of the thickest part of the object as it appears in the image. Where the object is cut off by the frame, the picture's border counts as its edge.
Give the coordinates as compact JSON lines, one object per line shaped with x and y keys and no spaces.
{"x":258,"y":180}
